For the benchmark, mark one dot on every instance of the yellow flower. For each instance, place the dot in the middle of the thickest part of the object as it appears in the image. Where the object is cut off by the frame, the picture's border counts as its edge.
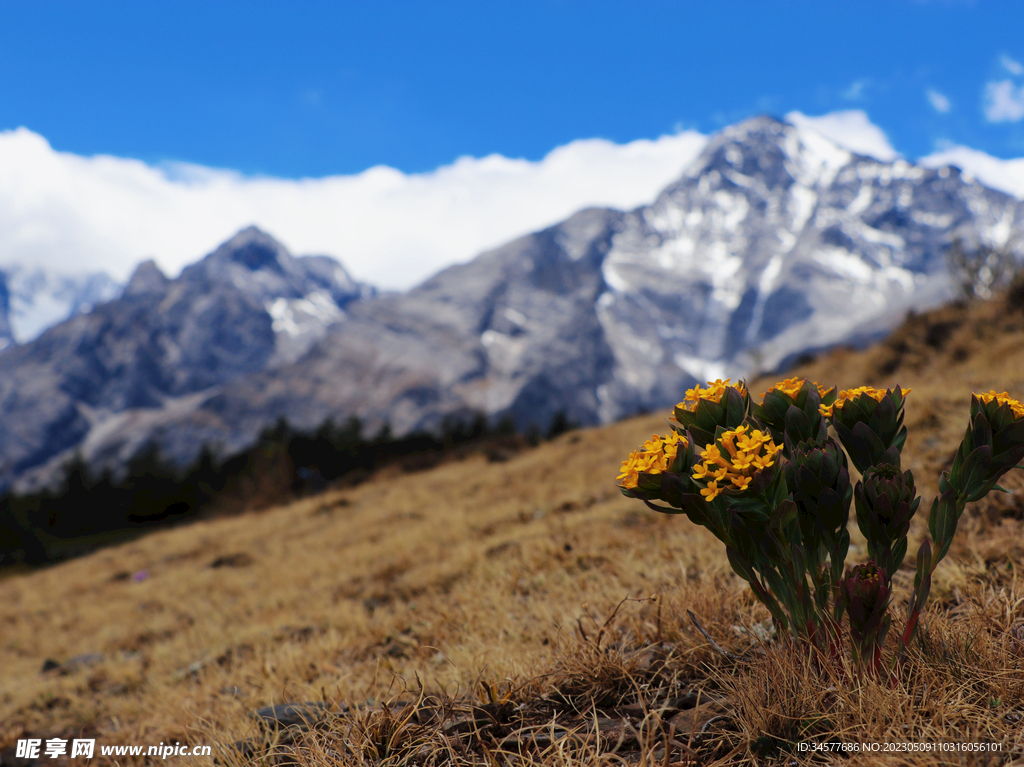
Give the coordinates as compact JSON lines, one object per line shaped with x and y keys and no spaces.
{"x":711,"y":453}
{"x":714,"y":392}
{"x":630,"y":473}
{"x":848,"y":394}
{"x":735,"y":460}
{"x":655,"y":457}
{"x":792,"y":386}
{"x":728,"y":445}
{"x":712,"y":491}
{"x":742,"y":461}
{"x":1003,"y":398}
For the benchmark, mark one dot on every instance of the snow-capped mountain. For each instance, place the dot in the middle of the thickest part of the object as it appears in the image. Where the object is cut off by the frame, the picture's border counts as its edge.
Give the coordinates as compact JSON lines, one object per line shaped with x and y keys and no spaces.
{"x":776,"y":241}
{"x":138,"y":360}
{"x":33,"y":299}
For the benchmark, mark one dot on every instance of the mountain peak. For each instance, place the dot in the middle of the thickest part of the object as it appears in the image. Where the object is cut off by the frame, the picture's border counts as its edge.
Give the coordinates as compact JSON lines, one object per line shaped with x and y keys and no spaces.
{"x":262,"y":268}
{"x":773,"y":153}
{"x":147,"y":278}
{"x":851,"y":130}
{"x":762,"y":147}
{"x":255,"y":250}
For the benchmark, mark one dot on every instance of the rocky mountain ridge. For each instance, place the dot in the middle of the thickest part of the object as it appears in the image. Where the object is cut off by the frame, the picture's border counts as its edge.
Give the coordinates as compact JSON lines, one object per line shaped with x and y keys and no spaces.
{"x":775,"y":242}
{"x":142,"y":358}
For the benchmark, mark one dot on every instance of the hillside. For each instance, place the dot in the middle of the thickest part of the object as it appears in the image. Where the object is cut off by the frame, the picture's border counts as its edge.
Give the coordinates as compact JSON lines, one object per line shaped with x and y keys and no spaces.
{"x":523,"y":587}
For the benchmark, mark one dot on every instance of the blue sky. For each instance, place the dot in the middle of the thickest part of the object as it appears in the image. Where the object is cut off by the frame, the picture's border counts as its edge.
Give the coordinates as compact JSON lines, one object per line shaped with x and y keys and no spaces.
{"x":314,"y":89}
{"x":403,"y":137}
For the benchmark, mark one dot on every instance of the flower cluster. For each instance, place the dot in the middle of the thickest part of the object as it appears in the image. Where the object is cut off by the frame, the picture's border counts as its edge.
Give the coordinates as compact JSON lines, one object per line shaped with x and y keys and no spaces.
{"x":848,"y":394}
{"x":742,"y":454}
{"x":713,"y":392}
{"x":1003,"y":398}
{"x":656,"y":456}
{"x":775,"y":488}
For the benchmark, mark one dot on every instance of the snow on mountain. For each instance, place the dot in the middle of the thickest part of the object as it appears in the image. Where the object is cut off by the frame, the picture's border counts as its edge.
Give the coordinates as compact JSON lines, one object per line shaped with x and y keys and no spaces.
{"x":850,"y":129}
{"x":303,"y":296}
{"x":1004,"y":175}
{"x":36,"y":299}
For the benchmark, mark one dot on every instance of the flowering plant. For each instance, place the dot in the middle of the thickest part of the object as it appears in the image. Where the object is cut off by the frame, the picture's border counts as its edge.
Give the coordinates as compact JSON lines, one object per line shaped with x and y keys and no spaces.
{"x":770,"y":483}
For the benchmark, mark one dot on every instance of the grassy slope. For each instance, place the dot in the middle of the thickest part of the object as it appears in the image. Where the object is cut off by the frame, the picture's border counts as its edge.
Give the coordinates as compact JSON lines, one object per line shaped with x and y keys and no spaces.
{"x":488,"y":572}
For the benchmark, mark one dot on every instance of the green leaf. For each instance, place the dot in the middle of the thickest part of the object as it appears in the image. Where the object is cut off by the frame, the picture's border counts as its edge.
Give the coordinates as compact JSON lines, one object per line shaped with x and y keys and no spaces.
{"x":944,"y":484}
{"x":926,"y":587}
{"x":785,"y":514}
{"x":782,"y":590}
{"x":664,"y":509}
{"x":830,"y":509}
{"x":735,"y":407}
{"x":899,"y":551}
{"x":774,"y":407}
{"x":900,"y":438}
{"x":924,"y":560}
{"x":842,"y":547}
{"x":975,"y":468}
{"x":866,"y":446}
{"x":948,"y":517}
{"x":799,"y":560}
{"x":982,"y":430}
{"x":883,"y":420}
{"x":891,"y":457}
{"x":739,"y":565}
{"x":798,"y":426}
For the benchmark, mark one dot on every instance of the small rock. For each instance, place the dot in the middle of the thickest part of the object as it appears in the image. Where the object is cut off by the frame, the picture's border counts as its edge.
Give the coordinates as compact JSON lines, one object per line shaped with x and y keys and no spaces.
{"x":192,"y":669}
{"x":80,"y":661}
{"x":459,"y":725}
{"x":232,"y":560}
{"x":688,"y":700}
{"x":617,"y":733}
{"x":302,"y":715}
{"x":72,"y":664}
{"x":694,"y":719}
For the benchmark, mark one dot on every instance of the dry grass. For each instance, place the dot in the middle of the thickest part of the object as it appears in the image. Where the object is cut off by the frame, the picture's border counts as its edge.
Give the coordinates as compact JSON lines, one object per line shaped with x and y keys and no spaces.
{"x":524,"y":612}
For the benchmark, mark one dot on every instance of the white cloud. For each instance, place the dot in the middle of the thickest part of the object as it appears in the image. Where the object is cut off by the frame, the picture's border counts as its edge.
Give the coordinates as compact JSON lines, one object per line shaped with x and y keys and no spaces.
{"x":1004,"y":102}
{"x":73,"y":213}
{"x":1004,"y":175}
{"x":1013,"y":67}
{"x":850,"y":129}
{"x":938,"y":101}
